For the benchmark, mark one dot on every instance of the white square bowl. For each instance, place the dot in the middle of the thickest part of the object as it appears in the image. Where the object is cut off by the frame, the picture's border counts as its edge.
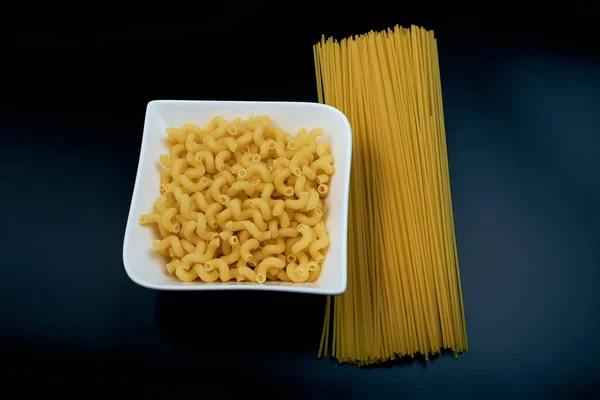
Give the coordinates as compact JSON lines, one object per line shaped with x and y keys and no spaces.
{"x":147,"y":268}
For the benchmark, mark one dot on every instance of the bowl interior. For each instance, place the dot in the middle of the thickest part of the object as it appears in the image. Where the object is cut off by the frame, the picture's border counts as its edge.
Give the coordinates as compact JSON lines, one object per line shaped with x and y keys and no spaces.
{"x":147,"y":268}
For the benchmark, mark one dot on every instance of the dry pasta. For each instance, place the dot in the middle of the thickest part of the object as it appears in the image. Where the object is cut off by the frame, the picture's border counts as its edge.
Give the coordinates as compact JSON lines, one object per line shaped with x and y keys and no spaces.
{"x":404,"y":293}
{"x":240,"y":201}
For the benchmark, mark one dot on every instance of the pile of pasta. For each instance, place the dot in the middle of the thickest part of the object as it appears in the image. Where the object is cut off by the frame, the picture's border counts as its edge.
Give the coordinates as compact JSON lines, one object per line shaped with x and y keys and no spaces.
{"x":243,"y":200}
{"x":404,"y":294}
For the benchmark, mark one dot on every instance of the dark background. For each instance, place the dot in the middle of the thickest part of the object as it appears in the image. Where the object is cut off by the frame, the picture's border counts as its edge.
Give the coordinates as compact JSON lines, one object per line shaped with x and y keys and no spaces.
{"x":521,"y":95}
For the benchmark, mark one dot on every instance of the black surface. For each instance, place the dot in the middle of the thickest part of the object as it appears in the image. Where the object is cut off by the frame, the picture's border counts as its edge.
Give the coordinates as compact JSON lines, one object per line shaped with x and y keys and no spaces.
{"x":521,"y":98}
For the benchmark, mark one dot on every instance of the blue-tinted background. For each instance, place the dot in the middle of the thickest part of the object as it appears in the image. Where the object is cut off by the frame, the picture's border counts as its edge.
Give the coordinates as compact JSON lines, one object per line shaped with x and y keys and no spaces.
{"x":521,"y":99}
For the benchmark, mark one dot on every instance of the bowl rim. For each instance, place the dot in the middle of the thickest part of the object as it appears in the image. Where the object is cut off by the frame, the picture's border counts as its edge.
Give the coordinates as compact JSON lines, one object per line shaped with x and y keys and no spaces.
{"x":337,"y":289}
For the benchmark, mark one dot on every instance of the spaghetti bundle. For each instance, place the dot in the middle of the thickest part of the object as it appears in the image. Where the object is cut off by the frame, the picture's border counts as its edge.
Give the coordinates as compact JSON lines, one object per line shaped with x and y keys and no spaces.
{"x":404,"y":294}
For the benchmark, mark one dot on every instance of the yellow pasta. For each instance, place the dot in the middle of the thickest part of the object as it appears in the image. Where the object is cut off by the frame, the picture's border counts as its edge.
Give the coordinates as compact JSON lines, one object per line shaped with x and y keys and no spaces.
{"x":239,"y":201}
{"x":275,"y":248}
{"x":295,"y":274}
{"x":265,"y":264}
{"x":305,"y":241}
{"x":238,"y":186}
{"x":404,"y":294}
{"x":173,"y":265}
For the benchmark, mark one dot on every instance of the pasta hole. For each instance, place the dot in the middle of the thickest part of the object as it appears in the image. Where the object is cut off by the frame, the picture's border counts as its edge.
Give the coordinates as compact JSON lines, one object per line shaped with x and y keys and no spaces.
{"x":223,"y":199}
{"x":176,"y":228}
{"x":232,"y":130}
{"x":255,"y":182}
{"x":323,"y":189}
{"x":292,"y":145}
{"x":242,"y":173}
{"x":272,"y":145}
{"x":289,"y":191}
{"x":256,"y":158}
{"x":261,"y":278}
{"x":248,"y":258}
{"x":300,"y":271}
{"x":214,"y":224}
{"x":246,"y":149}
{"x":208,"y":267}
{"x":291,"y":258}
{"x":233,"y":240}
{"x":318,"y":211}
{"x":191,"y":146}
{"x":297,"y":171}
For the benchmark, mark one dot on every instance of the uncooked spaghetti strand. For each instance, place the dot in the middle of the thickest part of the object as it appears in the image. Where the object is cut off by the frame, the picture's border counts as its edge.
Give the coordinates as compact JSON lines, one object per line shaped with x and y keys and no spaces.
{"x":318,"y":73}
{"x":388,"y":66}
{"x":408,"y":292}
{"x":404,"y":293}
{"x":422,"y":285}
{"x":450,"y":266}
{"x":358,"y":343}
{"x":384,"y":128}
{"x":420,"y":164}
{"x":362,"y":293}
{"x":365,"y":245}
{"x":465,"y":344}
{"x":428,"y":222}
{"x":419,"y":286}
{"x":398,"y":342}
{"x":449,"y":340}
{"x":375,"y":173}
{"x":407,"y":158}
{"x":322,"y":346}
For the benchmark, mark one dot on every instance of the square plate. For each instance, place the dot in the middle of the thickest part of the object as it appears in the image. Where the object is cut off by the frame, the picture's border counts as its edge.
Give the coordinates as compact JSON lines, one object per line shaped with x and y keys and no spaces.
{"x":147,"y":268}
